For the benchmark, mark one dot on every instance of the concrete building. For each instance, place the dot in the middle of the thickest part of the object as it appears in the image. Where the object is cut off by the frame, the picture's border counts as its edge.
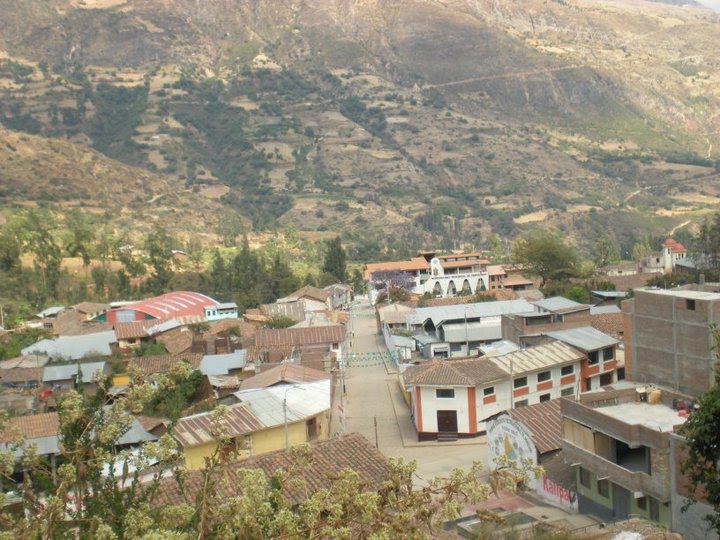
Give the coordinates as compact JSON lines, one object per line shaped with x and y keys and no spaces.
{"x":619,"y":441}
{"x":556,"y":313}
{"x":459,"y":330}
{"x":455,"y":398}
{"x":668,"y":338}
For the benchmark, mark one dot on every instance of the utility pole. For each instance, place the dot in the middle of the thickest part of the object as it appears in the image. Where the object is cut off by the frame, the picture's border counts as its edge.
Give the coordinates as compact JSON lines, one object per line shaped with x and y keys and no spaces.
{"x":376,"y":433}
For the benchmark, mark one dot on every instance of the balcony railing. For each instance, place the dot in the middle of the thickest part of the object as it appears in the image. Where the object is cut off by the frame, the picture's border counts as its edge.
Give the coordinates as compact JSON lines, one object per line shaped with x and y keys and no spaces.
{"x":653,"y":485}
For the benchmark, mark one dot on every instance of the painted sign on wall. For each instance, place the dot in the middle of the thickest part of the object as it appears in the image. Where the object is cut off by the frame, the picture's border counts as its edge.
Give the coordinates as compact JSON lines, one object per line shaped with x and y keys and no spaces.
{"x":509,"y":438}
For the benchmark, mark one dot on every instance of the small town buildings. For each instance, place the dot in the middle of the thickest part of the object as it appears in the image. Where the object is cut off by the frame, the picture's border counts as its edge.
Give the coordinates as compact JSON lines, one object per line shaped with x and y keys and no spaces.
{"x":224,"y":364}
{"x":341,"y":295}
{"x":132,"y":334}
{"x":41,"y":431}
{"x":314,"y":299}
{"x":393,"y":315}
{"x":455,"y":398}
{"x":62,"y":377}
{"x":265,"y":419}
{"x":283,"y":375}
{"x":325,"y":340}
{"x":544,"y":315}
{"x":619,"y":441}
{"x":459,"y":330}
{"x":98,"y":344}
{"x":665,"y":260}
{"x":327,"y":459}
{"x":180,"y":304}
{"x":534,"y":433}
{"x":221,"y":311}
{"x":599,"y":364}
{"x":432,"y":273}
{"x":668,"y":337}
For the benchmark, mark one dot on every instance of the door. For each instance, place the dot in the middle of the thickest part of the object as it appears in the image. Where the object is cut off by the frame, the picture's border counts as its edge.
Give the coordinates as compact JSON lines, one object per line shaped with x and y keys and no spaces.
{"x":447,"y":422}
{"x":621,"y":502}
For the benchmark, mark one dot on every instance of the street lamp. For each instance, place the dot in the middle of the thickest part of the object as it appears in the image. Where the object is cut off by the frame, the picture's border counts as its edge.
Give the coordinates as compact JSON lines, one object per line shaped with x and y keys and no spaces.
{"x":285,"y":418}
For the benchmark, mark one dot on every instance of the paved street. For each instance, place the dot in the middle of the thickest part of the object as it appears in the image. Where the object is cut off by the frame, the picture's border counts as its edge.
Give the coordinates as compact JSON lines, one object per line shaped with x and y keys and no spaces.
{"x":374,"y":405}
{"x":373,"y":397}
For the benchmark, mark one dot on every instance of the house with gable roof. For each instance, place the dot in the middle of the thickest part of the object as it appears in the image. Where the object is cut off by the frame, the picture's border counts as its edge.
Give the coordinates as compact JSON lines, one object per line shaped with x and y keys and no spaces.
{"x":459,"y":330}
{"x":454,"y":398}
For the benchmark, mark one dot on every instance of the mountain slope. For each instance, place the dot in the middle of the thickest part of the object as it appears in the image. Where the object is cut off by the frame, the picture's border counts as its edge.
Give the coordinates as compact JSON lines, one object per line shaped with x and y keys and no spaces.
{"x":422,"y":121}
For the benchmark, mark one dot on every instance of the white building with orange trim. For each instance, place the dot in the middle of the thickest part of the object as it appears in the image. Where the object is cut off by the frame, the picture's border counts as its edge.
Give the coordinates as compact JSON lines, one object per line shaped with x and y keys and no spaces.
{"x":454,"y":398}
{"x":439,"y":275}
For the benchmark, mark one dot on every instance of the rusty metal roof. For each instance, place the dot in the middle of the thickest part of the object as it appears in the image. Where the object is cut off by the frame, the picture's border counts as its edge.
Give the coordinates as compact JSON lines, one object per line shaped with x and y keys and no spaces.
{"x":205,"y":427}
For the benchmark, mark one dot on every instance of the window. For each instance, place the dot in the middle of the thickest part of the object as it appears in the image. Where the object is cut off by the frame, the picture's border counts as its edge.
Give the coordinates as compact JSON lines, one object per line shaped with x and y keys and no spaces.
{"x":520,"y":382}
{"x":603,"y":487}
{"x":584,"y":477}
{"x":445,"y":393}
{"x":642,"y":503}
{"x":690,"y":304}
{"x":567,"y":391}
{"x":543,"y":376}
{"x":606,"y":378}
{"x":593,"y":357}
{"x":544,"y":397}
{"x":608,"y":354}
{"x":567,"y":370}
{"x":522,"y":403}
{"x":588,"y":384}
{"x":489,"y":391}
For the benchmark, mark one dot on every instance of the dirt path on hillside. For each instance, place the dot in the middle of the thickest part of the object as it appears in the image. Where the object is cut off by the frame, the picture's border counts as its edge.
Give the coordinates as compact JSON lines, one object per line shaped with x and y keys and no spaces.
{"x":501,"y":76}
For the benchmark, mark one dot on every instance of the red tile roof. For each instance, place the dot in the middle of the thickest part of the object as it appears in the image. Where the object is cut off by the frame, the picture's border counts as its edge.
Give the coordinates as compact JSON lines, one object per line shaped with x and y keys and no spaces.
{"x":608,"y":323}
{"x":31,"y":427}
{"x":543,"y":422}
{"x":674,"y":245}
{"x":464,"y":372}
{"x":327,"y":459}
{"x":284,"y":373}
{"x":311,"y":335}
{"x":314,"y":293}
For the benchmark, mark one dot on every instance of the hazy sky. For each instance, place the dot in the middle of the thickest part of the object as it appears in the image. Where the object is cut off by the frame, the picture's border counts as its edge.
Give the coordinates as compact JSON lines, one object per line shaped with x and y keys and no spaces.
{"x":711,"y":3}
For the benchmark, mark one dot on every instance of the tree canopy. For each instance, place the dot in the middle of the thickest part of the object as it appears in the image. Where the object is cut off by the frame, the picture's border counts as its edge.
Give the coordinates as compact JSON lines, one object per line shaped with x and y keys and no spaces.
{"x":335,"y":260}
{"x":545,"y":254}
{"x":702,"y":443}
{"x":101,"y":492}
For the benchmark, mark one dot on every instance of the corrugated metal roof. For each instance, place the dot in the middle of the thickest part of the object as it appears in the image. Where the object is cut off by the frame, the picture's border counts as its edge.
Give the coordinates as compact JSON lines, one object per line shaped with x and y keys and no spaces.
{"x":221,"y":364}
{"x":586,"y":338}
{"x":68,"y":371}
{"x":50,"y":312}
{"x":303,"y":401}
{"x":403,"y":342}
{"x":173,"y":304}
{"x":537,"y":358}
{"x":74,"y":347}
{"x":610,"y":294}
{"x":205,"y":428}
{"x":558,"y":303}
{"x":543,"y":422}
{"x":438,"y":315}
{"x":498,"y":348}
{"x":600,"y":310}
{"x":483,"y":330}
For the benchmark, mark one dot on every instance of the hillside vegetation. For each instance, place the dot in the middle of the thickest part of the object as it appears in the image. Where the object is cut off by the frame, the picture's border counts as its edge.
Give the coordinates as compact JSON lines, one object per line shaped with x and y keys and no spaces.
{"x":397,"y":124}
